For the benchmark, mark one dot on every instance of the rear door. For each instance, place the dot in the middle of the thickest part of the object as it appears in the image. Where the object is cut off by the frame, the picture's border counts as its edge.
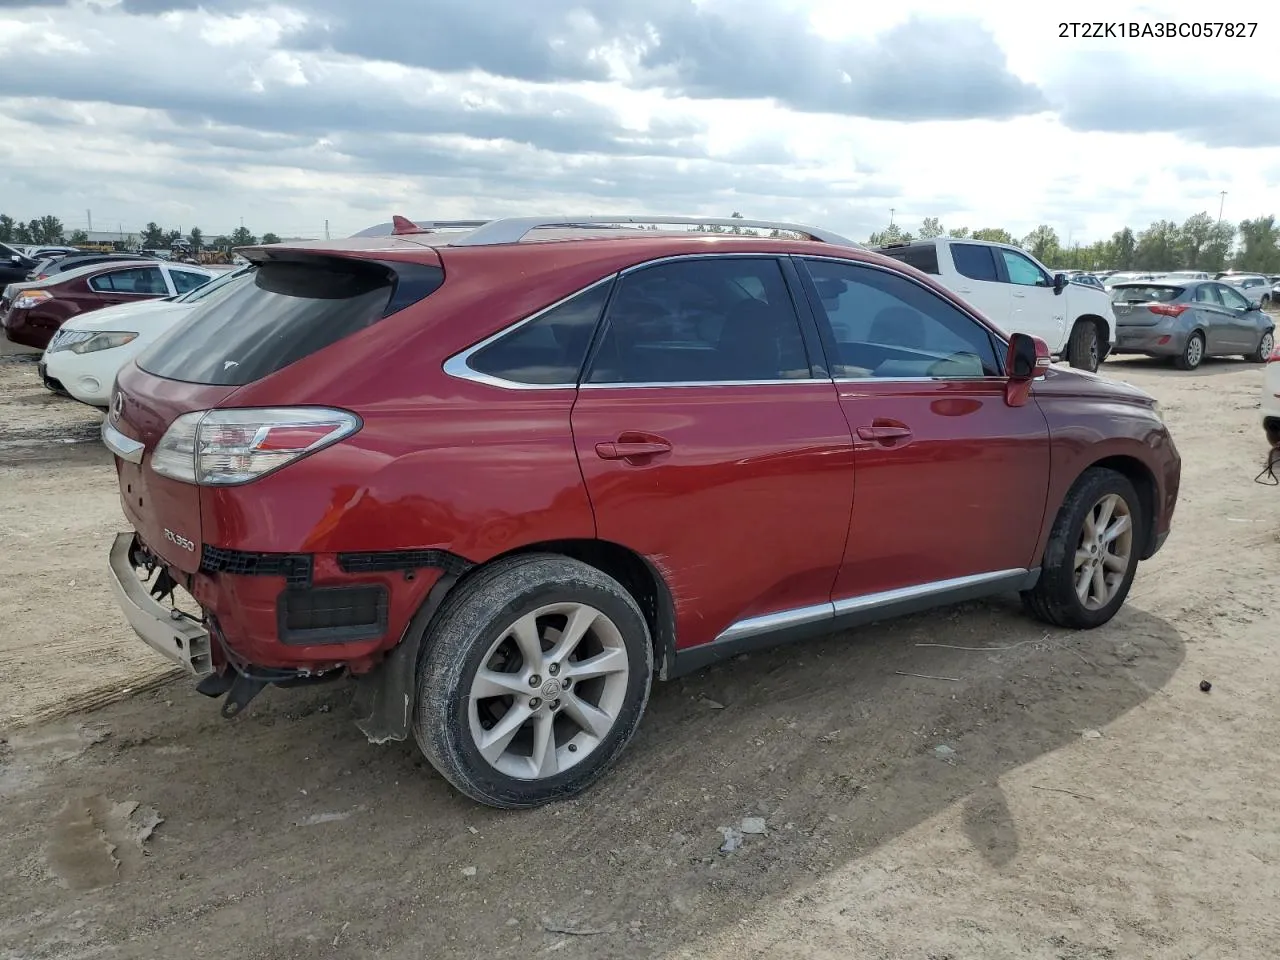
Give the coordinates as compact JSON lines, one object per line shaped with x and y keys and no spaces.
{"x":952,"y":481}
{"x":125,"y":285}
{"x":979,"y":280}
{"x":1213,"y":317}
{"x":710,"y":445}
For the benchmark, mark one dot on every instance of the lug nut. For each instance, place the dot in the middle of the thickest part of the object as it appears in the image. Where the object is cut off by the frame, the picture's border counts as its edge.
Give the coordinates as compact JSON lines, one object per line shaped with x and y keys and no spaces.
{"x":553,"y":669}
{"x":535,"y":703}
{"x":535,"y":680}
{"x":565,"y":683}
{"x":555,"y":704}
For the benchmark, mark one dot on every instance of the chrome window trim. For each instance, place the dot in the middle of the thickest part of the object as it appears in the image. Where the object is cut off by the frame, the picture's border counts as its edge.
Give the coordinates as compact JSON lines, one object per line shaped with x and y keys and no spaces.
{"x":701,"y":383}
{"x":833,"y":610}
{"x":459,"y":365}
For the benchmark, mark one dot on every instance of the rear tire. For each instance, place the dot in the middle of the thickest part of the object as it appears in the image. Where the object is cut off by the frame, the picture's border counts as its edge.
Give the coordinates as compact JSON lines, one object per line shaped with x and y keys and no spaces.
{"x":1265,"y":346}
{"x":1084,"y":352}
{"x":1092,"y":553}
{"x":503,"y":640}
{"x":1192,"y":353}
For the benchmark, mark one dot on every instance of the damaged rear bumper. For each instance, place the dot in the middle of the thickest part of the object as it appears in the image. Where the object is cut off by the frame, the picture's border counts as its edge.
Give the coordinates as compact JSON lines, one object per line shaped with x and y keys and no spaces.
{"x":178,"y":639}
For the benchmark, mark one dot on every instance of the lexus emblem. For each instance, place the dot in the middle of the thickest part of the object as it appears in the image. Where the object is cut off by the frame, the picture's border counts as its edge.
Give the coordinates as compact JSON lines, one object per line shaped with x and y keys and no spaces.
{"x":117,"y":405}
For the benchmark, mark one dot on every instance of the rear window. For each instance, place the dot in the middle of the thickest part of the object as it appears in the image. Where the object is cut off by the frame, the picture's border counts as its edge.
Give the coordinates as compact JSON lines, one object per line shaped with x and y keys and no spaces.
{"x":290,"y":310}
{"x":1144,"y":293}
{"x":924,"y":257}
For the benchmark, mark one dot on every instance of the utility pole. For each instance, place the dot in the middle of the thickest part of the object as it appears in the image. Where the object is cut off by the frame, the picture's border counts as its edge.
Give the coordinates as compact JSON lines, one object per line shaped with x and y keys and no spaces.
{"x":1222,"y":199}
{"x":89,"y":214}
{"x":326,"y":229}
{"x":891,"y":212}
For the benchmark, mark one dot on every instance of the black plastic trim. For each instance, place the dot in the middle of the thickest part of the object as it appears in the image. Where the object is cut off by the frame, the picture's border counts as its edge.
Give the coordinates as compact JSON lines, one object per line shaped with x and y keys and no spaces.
{"x":380,"y":561}
{"x":306,"y":636}
{"x":296,"y":568}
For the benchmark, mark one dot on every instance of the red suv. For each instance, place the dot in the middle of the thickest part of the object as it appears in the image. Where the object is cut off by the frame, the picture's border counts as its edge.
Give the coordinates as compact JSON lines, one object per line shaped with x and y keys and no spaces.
{"x":505,"y":474}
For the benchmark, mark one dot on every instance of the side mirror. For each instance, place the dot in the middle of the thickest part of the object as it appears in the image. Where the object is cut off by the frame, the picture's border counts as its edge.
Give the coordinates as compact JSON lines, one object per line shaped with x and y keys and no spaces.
{"x":1027,"y":359}
{"x":1060,"y":282}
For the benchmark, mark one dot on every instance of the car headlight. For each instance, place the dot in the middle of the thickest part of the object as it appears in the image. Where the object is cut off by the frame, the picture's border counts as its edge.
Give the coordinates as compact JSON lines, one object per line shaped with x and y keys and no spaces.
{"x":29,"y":298}
{"x":105,"y":340}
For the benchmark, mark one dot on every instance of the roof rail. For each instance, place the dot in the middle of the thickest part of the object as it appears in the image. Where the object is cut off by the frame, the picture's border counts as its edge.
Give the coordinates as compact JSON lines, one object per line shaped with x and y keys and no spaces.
{"x":514,"y":229}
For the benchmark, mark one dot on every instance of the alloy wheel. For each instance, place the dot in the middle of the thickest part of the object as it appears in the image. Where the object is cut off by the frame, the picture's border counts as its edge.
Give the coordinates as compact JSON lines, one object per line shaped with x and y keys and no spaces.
{"x":1195,"y":351}
{"x":1104,"y":550}
{"x":548,"y":691}
{"x":1266,"y":346}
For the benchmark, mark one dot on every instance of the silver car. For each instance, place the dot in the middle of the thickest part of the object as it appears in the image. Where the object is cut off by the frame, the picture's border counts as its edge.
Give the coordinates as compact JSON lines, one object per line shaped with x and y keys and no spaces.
{"x":1189,"y":321}
{"x":1255,"y":287}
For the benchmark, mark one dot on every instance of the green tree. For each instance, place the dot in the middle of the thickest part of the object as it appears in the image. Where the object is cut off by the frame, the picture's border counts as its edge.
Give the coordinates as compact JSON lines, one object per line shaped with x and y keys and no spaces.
{"x":270,"y":238}
{"x":196,"y":239}
{"x":152,"y":236}
{"x":890,"y":234}
{"x":993,"y":235}
{"x":241,"y":237}
{"x":222,"y":242}
{"x":78,"y":238}
{"x":7,"y":227}
{"x":930,"y":228}
{"x":1193,"y":238}
{"x":1213,"y":257}
{"x":1158,"y":246}
{"x":1123,"y":247}
{"x":171,"y":237}
{"x":1042,"y":243}
{"x":1259,"y":245}
{"x":50,"y":230}
{"x":960,"y":233}
{"x":22,"y":233}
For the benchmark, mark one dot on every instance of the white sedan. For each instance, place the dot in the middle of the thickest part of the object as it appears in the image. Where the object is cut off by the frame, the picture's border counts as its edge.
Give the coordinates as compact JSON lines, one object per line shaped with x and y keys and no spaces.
{"x":85,"y":355}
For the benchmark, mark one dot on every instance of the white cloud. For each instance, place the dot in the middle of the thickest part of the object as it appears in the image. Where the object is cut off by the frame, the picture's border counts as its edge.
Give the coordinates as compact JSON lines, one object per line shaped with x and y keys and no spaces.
{"x":244,"y":110}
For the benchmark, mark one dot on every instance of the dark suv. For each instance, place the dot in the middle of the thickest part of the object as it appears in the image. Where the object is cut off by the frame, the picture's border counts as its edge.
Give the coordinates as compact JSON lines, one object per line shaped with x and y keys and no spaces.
{"x":508,"y":473}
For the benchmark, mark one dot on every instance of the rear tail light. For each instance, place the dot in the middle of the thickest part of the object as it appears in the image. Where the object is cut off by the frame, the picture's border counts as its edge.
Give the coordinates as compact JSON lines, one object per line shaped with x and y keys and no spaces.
{"x":229,"y":447}
{"x":1167,"y":309}
{"x":29,"y":298}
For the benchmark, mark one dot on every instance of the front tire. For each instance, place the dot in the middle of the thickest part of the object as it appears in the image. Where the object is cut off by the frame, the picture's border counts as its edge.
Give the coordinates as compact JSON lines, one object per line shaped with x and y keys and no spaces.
{"x":1192,"y":353}
{"x":1265,"y":346}
{"x":1084,"y":352}
{"x":532,"y":681}
{"x":1092,"y":554}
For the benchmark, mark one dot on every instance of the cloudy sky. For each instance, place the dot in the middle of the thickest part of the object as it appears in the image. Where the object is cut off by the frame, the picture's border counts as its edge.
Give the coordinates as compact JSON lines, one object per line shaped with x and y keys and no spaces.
{"x":291,"y":112}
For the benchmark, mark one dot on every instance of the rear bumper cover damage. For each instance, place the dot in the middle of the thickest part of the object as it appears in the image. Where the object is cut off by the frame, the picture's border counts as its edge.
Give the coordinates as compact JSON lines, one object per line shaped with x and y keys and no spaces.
{"x":174,"y":636}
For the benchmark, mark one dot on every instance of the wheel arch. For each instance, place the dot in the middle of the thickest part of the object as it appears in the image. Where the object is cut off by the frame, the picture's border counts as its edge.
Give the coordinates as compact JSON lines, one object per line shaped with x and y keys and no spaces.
{"x":1104,"y":328}
{"x":1144,"y":482}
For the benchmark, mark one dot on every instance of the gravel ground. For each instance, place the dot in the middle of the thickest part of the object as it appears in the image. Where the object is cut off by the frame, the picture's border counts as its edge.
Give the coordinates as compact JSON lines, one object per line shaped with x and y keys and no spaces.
{"x":1065,"y":796}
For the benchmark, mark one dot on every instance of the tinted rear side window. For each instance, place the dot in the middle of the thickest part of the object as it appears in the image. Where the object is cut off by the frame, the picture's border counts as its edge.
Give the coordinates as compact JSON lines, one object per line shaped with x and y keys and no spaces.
{"x":289,"y":311}
{"x":924,"y":258}
{"x":975,"y":261}
{"x":549,"y":349}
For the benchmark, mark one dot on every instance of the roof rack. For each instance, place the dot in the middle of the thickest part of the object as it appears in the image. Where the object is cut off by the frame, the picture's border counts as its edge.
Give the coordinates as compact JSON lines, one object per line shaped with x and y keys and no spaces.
{"x":514,"y":229}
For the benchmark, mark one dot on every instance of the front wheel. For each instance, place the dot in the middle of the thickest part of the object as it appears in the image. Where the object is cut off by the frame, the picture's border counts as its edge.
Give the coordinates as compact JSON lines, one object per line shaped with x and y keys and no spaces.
{"x":1265,"y":346}
{"x":1092,"y":553}
{"x":1083,"y":349}
{"x":532,"y":681}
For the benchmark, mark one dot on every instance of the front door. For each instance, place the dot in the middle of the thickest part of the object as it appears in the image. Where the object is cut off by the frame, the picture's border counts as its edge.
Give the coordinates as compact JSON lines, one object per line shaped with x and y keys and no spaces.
{"x":1242,"y":329}
{"x":1034,"y":307}
{"x":952,"y":481}
{"x":709,"y":447}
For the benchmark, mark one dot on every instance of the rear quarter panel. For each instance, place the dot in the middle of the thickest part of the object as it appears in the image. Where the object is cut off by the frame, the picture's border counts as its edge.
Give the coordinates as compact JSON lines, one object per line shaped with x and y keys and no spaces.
{"x":1092,"y":419}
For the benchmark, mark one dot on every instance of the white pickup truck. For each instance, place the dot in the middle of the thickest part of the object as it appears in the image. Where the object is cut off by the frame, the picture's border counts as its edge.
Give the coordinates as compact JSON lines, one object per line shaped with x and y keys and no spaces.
{"x":1019,"y":293}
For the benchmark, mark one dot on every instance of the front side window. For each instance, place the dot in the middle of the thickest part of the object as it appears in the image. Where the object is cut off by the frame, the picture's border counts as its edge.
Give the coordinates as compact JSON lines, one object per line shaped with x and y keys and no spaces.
{"x":1233,"y":299}
{"x":549,"y":349}
{"x":706,"y":320}
{"x":975,"y":261}
{"x":886,"y":326}
{"x":1022,"y":271}
{"x":139,"y":280}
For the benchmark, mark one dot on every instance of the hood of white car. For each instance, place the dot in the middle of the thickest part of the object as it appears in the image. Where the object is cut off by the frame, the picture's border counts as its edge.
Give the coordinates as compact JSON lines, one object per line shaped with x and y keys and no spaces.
{"x":135,"y":317}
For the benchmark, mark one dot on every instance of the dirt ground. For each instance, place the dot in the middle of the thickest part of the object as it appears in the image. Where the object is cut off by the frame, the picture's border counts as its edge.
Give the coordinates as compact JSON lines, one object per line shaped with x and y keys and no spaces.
{"x":1064,"y":796}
